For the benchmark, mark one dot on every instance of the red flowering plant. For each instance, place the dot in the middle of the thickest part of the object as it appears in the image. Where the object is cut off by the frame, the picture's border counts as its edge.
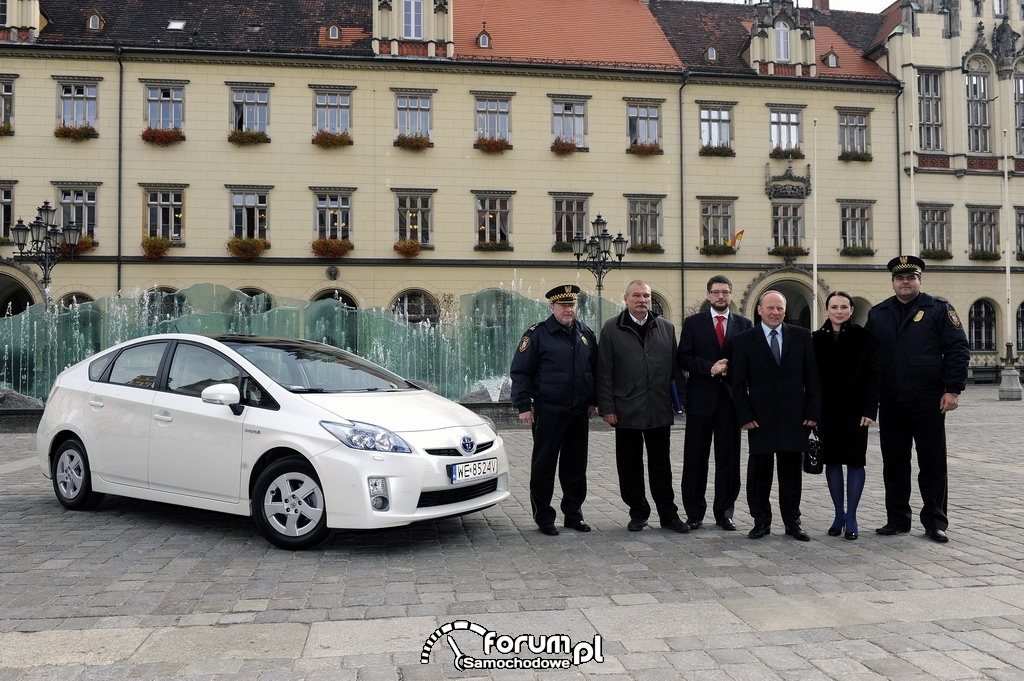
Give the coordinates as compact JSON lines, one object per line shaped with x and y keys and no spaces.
{"x":162,"y":137}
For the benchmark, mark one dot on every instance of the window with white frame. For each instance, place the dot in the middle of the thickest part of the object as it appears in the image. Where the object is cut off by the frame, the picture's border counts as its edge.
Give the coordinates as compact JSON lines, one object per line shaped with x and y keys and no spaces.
{"x":165,"y":105}
{"x":999,"y":8}
{"x":412,"y":113}
{"x":644,"y":215}
{"x":935,"y":228}
{"x":787,"y":223}
{"x":493,"y":113}
{"x":493,"y":217}
{"x":78,"y":102}
{"x":165,"y":212}
{"x":412,"y":19}
{"x":982,"y":323}
{"x":334,"y":213}
{"x":570,"y":217}
{"x":332,"y":108}
{"x":1019,"y":225}
{"x":929,"y":110}
{"x":853,"y":132}
{"x":978,"y":125}
{"x":782,"y":41}
{"x":6,"y":210}
{"x":643,"y":122}
{"x":413,"y":218}
{"x":6,"y":102}
{"x":250,"y":108}
{"x":715,"y":125}
{"x":855,"y":224}
{"x":569,"y":120}
{"x":717,"y":221}
{"x":416,"y":307}
{"x":78,"y":205}
{"x":1018,"y":109}
{"x":983,"y":228}
{"x":249,"y":214}
{"x":785,"y":128}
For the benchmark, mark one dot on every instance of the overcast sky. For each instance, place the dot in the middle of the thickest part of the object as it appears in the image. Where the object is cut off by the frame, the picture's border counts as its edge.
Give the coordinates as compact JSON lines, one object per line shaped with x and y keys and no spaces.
{"x":852,"y":5}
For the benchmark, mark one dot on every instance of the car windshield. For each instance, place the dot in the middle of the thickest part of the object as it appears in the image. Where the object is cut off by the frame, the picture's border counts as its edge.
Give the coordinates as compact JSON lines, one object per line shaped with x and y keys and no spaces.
{"x":310,"y":368}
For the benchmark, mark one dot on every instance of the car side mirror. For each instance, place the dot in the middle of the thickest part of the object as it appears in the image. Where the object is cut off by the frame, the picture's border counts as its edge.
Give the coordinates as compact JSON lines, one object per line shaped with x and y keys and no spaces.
{"x":226,"y":394}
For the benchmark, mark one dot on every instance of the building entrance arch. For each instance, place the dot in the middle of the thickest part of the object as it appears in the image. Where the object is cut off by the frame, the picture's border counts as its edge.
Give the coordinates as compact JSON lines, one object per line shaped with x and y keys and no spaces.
{"x":15,"y":290}
{"x":795,"y":285}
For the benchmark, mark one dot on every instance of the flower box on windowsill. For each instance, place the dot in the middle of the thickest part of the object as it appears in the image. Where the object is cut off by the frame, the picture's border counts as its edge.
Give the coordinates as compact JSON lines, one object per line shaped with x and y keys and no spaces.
{"x":788,"y":251}
{"x":561,"y":247}
{"x":332,"y":248}
{"x":75,"y":133}
{"x":492,"y":246}
{"x":6,"y":130}
{"x":85,"y":244}
{"x":645,"y":149}
{"x":857,"y":251}
{"x":244,"y":138}
{"x":716,"y":150}
{"x":792,"y":153}
{"x":412,"y":142}
{"x":717,"y":249}
{"x":863,"y":156}
{"x":247,"y":249}
{"x":155,"y":247}
{"x":984,"y":254}
{"x":936,"y":254}
{"x":329,"y":140}
{"x":645,"y":248}
{"x":162,"y":137}
{"x":4,"y":241}
{"x":408,"y":248}
{"x":492,"y":145}
{"x":563,"y":147}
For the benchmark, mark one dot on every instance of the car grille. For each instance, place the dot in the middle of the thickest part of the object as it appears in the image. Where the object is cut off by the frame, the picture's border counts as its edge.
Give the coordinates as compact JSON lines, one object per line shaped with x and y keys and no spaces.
{"x":453,"y":451}
{"x":454,"y":495}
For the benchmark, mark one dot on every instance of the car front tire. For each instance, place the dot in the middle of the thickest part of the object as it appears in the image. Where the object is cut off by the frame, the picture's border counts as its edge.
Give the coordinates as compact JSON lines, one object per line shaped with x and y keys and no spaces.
{"x":288,"y":505}
{"x":72,"y":480}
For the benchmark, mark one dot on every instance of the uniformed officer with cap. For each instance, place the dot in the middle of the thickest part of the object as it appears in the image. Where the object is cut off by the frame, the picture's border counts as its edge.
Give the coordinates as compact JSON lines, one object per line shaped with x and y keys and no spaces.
{"x":920,"y":367}
{"x":555,"y":391}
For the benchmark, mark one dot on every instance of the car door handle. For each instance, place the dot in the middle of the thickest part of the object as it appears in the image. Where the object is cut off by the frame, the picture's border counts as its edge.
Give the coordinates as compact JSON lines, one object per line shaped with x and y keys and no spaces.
{"x":163,"y":416}
{"x":96,"y":403}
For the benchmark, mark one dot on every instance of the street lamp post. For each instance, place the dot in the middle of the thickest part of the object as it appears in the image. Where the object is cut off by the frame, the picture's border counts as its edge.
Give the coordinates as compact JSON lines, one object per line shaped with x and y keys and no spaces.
{"x":45,"y":243}
{"x":598,"y":254}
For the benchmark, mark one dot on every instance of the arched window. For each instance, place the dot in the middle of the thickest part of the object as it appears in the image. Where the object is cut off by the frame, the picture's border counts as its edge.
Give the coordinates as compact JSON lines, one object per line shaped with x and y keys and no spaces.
{"x":333,"y":33}
{"x":76,"y":298}
{"x":782,"y":41}
{"x":712,"y":54}
{"x":1020,"y":328}
{"x":261,"y":300}
{"x":416,"y":306}
{"x":95,"y":22}
{"x":163,"y":304}
{"x":982,"y":325}
{"x":658,"y":305}
{"x":339,"y":295}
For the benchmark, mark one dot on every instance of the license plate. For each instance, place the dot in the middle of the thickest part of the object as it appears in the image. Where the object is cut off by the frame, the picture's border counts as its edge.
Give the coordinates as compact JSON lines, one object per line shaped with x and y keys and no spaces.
{"x":471,"y":470}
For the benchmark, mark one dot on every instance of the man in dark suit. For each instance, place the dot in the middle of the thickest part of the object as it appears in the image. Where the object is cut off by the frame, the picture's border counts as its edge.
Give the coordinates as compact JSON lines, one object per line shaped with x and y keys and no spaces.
{"x":705,"y":345}
{"x":778,"y":399}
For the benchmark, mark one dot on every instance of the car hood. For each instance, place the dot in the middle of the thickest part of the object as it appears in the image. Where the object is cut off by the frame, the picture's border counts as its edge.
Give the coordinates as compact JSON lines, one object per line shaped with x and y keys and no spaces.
{"x":416,"y":410}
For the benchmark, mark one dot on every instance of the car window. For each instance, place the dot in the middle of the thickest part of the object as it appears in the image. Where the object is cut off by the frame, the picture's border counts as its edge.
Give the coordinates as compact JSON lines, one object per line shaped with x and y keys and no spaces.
{"x":194,"y":368}
{"x":138,"y":366}
{"x":255,"y":395}
{"x":98,"y":366}
{"x":309,"y":368}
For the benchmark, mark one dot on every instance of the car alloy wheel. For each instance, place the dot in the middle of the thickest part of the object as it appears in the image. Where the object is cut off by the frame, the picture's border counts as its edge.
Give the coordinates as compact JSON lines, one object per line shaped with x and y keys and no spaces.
{"x":288,"y":505}
{"x":71,"y":478}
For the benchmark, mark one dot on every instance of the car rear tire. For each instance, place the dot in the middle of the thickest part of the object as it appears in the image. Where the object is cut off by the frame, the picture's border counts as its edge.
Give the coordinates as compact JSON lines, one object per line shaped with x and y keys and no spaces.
{"x":72,"y":479}
{"x":288,"y":505}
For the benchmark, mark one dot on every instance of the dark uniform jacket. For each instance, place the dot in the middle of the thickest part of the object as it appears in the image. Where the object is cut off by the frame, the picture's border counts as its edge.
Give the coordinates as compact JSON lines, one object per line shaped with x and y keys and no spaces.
{"x":921,"y":357}
{"x":555,"y":367}
{"x":634,"y":375}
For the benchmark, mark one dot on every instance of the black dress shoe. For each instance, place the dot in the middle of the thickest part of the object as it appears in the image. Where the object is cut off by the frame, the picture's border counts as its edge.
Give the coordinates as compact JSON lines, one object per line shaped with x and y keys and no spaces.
{"x":694,"y":524}
{"x":759,"y":531}
{"x":726,"y":524}
{"x":549,"y":530}
{"x":851,"y":535}
{"x":937,"y":535}
{"x":675,"y":524}
{"x":636,"y":525}
{"x":889,"y":529}
{"x":578,"y":525}
{"x":835,"y":531}
{"x":797,"y":532}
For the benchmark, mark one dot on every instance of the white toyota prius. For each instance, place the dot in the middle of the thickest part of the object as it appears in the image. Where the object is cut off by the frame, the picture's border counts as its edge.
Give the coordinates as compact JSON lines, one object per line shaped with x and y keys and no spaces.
{"x":301,"y":436}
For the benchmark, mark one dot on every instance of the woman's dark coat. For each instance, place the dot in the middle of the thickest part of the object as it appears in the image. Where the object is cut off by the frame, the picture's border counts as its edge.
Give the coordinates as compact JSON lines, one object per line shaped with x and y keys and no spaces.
{"x":843,"y":367}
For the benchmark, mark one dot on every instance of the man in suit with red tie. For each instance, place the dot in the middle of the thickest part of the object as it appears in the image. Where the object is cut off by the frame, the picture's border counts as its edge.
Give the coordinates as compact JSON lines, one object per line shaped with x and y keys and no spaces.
{"x":775,"y":386}
{"x":705,"y":344}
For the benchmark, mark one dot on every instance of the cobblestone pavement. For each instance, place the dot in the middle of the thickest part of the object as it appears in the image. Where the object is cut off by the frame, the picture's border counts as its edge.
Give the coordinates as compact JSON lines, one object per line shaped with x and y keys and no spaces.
{"x":138,"y":590}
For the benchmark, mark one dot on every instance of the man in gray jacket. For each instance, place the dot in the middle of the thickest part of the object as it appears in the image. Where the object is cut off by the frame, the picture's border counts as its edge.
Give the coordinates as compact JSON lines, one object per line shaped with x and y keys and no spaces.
{"x":636,"y":363}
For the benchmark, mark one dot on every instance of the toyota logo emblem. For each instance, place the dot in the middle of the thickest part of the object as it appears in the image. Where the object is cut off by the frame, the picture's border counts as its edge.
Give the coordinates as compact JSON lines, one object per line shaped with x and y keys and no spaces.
{"x":468,"y":445}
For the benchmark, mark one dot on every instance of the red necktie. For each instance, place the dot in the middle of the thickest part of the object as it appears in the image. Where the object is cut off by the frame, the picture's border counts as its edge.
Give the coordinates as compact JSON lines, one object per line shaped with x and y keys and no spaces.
{"x":720,"y":329}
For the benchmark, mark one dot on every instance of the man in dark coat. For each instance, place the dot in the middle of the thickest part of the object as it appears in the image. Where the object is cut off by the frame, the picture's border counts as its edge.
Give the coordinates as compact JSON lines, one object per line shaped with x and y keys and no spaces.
{"x":705,"y":344}
{"x":778,"y":400}
{"x":637,"y":362}
{"x":921,"y":357}
{"x":554,"y":390}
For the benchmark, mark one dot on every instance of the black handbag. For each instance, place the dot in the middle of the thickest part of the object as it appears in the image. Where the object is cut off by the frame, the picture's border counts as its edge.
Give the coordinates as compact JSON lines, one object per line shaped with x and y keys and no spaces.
{"x":812,"y":455}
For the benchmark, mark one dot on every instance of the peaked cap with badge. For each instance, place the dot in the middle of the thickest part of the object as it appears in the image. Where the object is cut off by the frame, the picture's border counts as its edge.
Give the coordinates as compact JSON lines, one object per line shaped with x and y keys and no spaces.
{"x":566,"y":293}
{"x":906,"y":264}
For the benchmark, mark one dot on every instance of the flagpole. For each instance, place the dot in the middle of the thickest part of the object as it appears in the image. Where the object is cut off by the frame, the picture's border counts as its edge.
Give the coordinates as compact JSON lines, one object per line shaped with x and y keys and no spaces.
{"x":1009,"y":384}
{"x":814,"y":241}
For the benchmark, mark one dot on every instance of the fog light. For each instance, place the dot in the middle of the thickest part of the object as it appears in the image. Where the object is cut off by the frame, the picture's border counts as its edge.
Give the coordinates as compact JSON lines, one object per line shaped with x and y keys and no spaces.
{"x":378,"y":488}
{"x":379,"y":503}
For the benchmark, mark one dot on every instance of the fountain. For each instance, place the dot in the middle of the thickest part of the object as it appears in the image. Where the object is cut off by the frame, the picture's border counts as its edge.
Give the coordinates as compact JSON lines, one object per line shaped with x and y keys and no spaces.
{"x":465,"y":355}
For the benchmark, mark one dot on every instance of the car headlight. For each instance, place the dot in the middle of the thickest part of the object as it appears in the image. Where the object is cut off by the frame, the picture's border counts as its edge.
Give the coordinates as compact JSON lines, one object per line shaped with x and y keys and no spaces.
{"x":366,"y":436}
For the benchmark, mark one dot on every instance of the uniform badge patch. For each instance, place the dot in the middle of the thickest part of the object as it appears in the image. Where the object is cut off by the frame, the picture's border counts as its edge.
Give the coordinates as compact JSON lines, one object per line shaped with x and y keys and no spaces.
{"x":523,"y":344}
{"x":919,"y":316}
{"x":953,"y":317}
{"x":584,"y":339}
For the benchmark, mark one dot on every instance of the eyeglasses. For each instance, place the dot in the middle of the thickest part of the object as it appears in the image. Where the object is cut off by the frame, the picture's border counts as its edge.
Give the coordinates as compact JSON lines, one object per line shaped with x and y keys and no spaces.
{"x":719,"y":293}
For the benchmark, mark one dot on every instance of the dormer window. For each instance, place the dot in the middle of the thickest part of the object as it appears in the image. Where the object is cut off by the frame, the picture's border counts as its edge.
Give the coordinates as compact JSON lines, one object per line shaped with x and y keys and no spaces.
{"x":333,"y":33}
{"x":412,"y":19}
{"x":483,"y":38}
{"x":176,"y":25}
{"x":712,"y":54}
{"x":254,"y":28}
{"x":782,"y":41}
{"x":95,"y":22}
{"x":831,"y":60}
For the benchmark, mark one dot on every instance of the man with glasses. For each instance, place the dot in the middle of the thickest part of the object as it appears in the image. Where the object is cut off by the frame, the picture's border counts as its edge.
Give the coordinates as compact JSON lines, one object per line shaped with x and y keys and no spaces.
{"x":705,"y":345}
